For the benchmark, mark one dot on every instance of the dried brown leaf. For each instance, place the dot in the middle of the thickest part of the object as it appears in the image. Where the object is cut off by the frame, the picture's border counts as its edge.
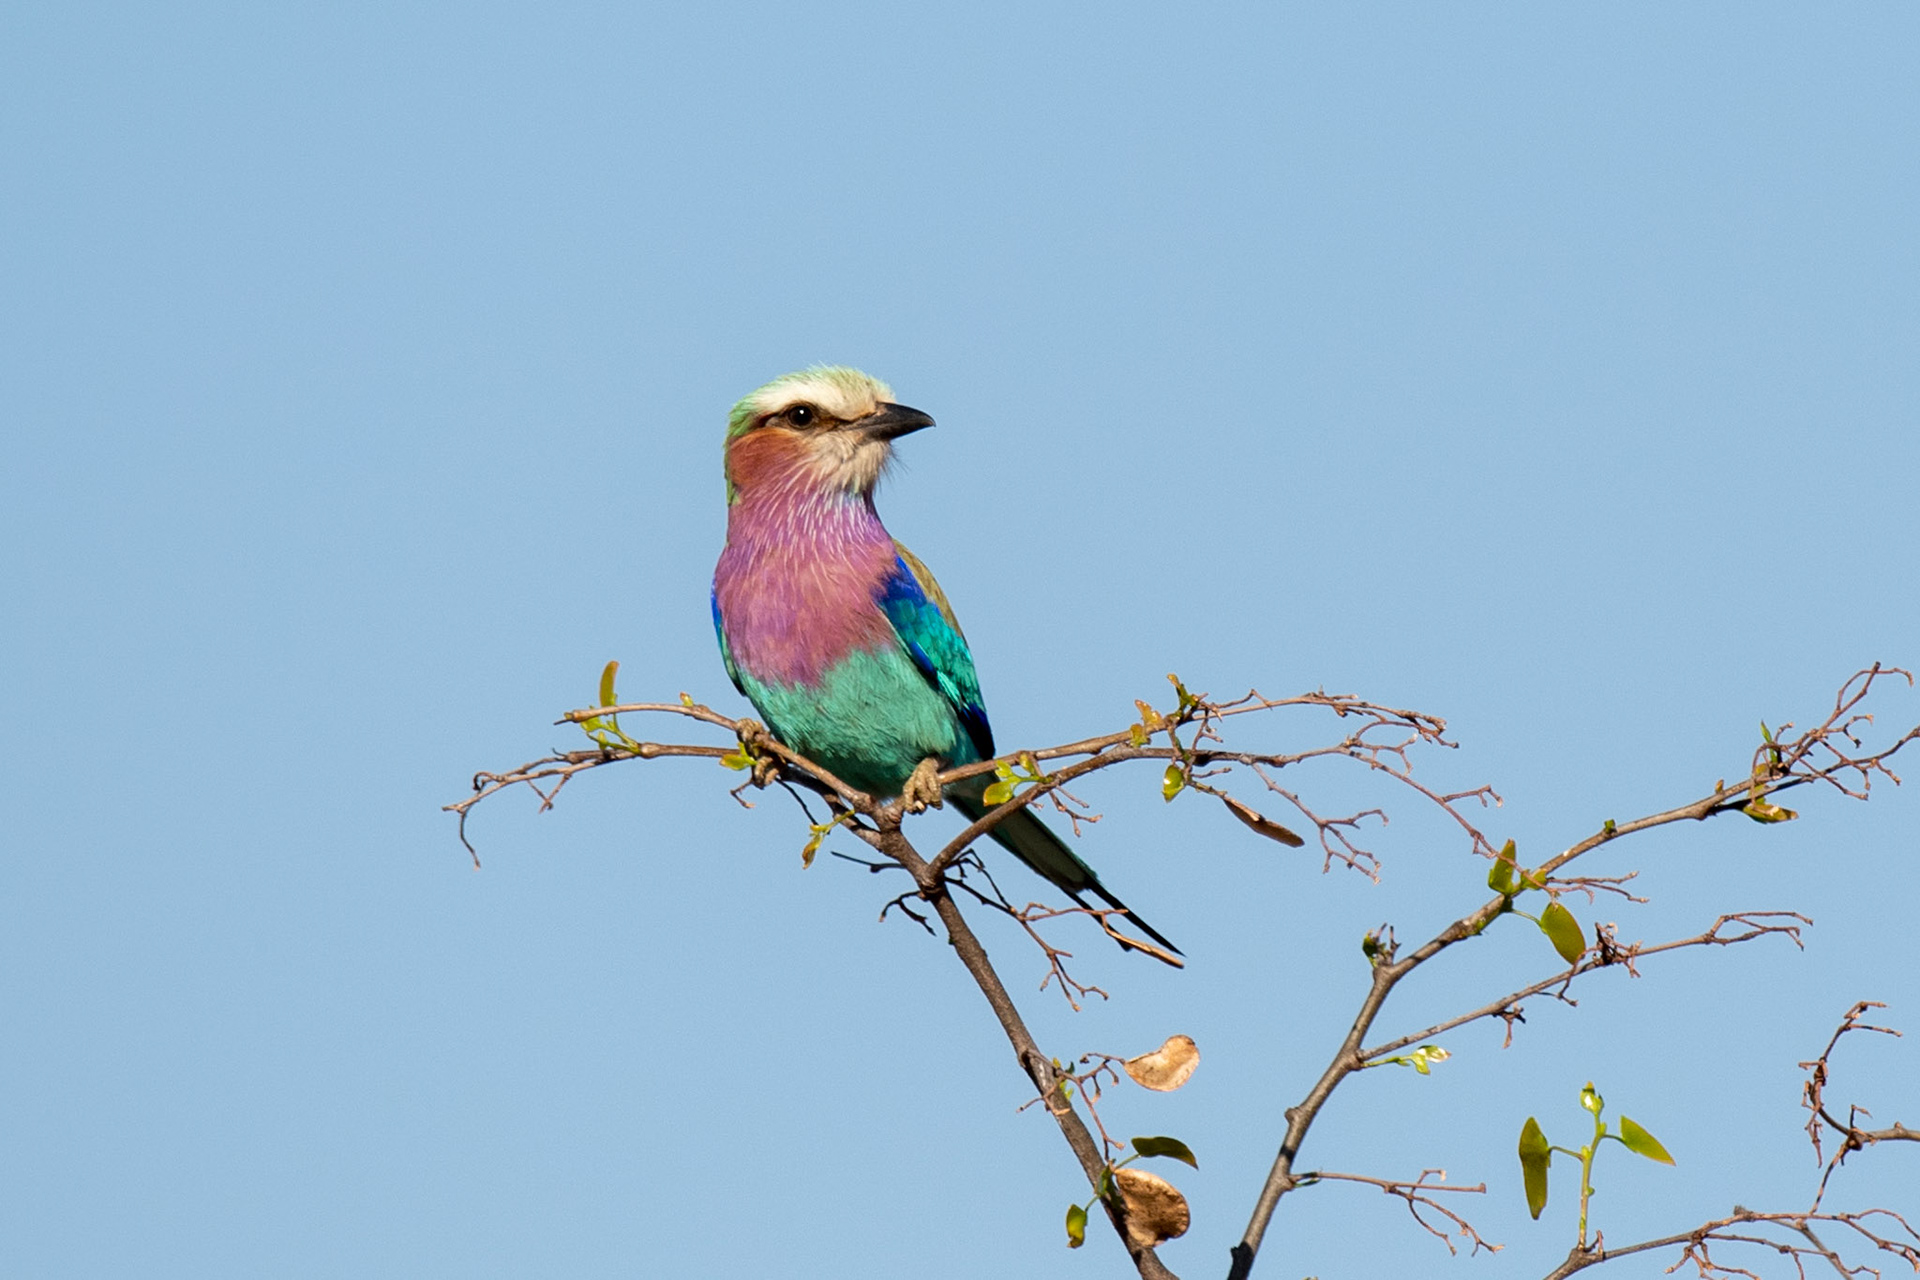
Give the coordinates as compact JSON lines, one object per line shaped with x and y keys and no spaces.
{"x":1156,"y":1211}
{"x":1264,"y":825}
{"x":1167,"y":1067}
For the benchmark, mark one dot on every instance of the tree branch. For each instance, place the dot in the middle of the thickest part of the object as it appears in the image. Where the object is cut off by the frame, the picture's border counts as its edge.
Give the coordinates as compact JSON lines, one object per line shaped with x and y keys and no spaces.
{"x":1698,"y":1243}
{"x":1419,"y":1194}
{"x":1779,"y":763}
{"x":1037,"y":1065}
{"x":1757,"y":924}
{"x":1813,"y":1098}
{"x":1187,"y":742}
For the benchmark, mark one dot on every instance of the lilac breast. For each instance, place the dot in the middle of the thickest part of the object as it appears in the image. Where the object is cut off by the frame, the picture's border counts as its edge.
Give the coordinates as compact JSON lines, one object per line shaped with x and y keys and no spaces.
{"x":795,"y":585}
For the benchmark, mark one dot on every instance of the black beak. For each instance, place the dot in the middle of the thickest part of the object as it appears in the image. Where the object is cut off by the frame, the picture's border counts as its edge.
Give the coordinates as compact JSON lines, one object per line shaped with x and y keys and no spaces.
{"x":893,"y":421}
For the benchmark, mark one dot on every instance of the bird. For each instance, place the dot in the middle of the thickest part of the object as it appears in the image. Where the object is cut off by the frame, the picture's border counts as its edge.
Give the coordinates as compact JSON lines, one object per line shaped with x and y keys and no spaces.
{"x":838,"y":635}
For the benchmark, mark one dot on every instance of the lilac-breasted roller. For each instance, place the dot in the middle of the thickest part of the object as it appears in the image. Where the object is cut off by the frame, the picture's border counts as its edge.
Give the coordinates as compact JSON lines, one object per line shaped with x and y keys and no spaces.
{"x":836,"y":633}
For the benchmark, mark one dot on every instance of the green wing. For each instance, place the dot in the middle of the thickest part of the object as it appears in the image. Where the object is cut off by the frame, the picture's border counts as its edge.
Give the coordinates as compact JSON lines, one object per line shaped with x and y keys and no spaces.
{"x":928,"y":631}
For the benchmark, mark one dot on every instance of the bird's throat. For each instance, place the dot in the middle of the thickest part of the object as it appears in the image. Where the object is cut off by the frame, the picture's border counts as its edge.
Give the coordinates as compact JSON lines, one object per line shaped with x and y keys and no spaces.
{"x":804,"y":523}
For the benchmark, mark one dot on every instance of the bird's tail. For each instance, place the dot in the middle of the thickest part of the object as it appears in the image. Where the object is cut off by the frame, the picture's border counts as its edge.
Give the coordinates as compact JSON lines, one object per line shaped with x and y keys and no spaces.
{"x":1034,"y":843}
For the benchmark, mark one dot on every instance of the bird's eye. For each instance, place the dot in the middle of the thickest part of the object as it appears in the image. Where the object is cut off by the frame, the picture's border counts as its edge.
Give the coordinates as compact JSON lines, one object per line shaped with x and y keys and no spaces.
{"x":801,"y":415}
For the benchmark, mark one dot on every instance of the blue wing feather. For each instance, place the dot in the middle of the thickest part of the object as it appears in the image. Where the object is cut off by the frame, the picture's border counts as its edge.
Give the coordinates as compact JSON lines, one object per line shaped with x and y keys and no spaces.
{"x":931,"y":635}
{"x":726,"y":651}
{"x":928,"y":631}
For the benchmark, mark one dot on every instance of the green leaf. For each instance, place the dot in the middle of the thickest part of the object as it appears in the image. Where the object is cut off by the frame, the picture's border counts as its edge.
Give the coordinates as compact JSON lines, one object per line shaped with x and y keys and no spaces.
{"x":1187,"y":700}
{"x":999,"y":792}
{"x":737,"y":759}
{"x":1640,"y":1142}
{"x":1534,"y":1155}
{"x":1421,"y":1059}
{"x":1503,"y":877}
{"x":1172,"y":782}
{"x":1767,"y":811}
{"x":1171,"y":1147}
{"x":1076,"y":1226}
{"x":1563,"y":931}
{"x":606,"y":683}
{"x":1591,"y":1100}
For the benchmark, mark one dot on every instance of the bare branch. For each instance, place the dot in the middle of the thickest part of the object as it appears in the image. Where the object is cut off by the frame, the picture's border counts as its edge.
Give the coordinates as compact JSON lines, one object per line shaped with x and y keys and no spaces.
{"x":1188,"y":743}
{"x":1028,"y":917}
{"x":1037,"y":1065}
{"x":1782,"y":762}
{"x":1813,"y":1098}
{"x":1419,"y":1194}
{"x":1725,"y":932}
{"x":1812,"y":757}
{"x":1899,"y":1242}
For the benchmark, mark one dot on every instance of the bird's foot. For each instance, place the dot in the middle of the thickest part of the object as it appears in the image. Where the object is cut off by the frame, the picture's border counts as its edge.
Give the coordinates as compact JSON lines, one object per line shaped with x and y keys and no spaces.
{"x":752,"y":735}
{"x":923,"y":788}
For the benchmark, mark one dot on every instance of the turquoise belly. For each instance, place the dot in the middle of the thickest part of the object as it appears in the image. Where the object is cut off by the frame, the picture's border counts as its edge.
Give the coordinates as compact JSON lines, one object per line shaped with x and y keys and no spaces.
{"x":870,"y":720}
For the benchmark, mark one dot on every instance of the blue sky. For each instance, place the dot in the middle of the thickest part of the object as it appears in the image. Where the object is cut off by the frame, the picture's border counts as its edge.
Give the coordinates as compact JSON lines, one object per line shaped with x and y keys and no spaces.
{"x":1552,"y":370}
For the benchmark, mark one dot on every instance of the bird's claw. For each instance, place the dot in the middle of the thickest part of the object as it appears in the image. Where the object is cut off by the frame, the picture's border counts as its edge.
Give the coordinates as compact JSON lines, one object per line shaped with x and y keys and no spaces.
{"x":922,"y":791}
{"x":753,"y":734}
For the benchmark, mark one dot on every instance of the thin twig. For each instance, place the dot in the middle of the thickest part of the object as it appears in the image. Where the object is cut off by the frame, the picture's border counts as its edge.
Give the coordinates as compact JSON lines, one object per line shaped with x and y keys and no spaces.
{"x":1752,"y":924}
{"x":1813,"y":1097}
{"x":1697,"y":1243}
{"x":1419,"y":1194}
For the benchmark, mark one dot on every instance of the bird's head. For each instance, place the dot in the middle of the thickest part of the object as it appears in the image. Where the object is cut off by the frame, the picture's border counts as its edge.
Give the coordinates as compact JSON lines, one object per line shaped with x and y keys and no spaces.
{"x":828,"y":427}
